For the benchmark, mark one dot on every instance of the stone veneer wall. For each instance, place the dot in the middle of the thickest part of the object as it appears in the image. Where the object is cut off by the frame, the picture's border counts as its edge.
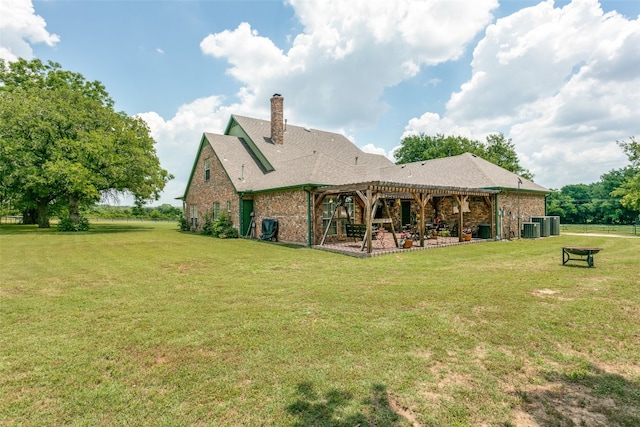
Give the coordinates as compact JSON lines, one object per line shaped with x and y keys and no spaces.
{"x":204,"y":193}
{"x":530,"y":205}
{"x":289,"y":208}
{"x":479,"y":212}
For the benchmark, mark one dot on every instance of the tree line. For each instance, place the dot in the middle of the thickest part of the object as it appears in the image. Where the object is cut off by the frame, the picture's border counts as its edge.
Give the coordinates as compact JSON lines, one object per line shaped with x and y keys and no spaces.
{"x":165,"y":212}
{"x":615,"y":199}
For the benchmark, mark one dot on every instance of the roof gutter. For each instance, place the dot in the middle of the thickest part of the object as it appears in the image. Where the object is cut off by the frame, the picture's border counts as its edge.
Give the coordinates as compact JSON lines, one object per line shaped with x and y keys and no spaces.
{"x":290,"y":187}
{"x":522,"y":190}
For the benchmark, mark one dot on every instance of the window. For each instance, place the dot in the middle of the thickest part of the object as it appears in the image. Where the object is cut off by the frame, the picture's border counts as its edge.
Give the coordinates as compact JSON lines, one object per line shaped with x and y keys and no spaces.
{"x":229,"y":206}
{"x":216,"y":210}
{"x":328,"y":208}
{"x":207,"y":169}
{"x":193,"y":216}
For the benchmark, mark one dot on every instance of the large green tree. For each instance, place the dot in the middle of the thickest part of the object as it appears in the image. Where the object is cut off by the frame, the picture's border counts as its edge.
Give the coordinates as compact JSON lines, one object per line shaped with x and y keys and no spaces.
{"x":629,"y":190}
{"x":497,"y":149}
{"x":62,"y":144}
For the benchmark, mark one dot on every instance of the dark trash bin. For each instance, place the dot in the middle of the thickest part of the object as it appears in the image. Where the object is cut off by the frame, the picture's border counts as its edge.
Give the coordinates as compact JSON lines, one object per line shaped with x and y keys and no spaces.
{"x":269,"y":229}
{"x":484,"y":231}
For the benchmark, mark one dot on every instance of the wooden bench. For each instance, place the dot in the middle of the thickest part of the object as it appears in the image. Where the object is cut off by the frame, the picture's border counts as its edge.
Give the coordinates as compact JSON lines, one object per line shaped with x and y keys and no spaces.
{"x":356,"y":231}
{"x":586,"y":254}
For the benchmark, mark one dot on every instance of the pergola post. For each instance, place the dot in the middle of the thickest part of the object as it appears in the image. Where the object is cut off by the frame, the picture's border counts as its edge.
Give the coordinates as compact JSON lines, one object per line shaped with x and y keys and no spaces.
{"x":422,"y":200}
{"x":459,"y":200}
{"x":369,"y":215}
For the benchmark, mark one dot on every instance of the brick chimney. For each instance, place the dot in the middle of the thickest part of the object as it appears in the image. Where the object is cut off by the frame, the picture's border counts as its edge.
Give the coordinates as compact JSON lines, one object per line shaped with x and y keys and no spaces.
{"x":277,"y":119}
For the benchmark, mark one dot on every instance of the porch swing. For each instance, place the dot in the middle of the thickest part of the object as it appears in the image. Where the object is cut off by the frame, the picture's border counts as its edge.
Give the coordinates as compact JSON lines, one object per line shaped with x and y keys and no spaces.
{"x":359,"y":231}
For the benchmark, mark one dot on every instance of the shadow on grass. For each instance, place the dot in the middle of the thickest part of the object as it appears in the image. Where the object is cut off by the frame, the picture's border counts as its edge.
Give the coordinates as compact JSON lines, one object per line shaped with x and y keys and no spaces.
{"x":117,"y":228}
{"x":590,"y":397}
{"x":282,"y":244}
{"x":93,"y":229}
{"x":577,"y":265}
{"x":334,"y":409}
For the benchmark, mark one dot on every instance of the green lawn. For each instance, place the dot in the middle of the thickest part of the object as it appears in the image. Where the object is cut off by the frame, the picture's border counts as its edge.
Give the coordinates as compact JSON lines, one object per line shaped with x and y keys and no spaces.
{"x":139,"y":324}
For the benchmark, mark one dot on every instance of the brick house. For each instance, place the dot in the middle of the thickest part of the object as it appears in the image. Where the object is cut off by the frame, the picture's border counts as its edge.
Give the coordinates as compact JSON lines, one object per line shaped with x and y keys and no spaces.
{"x":314,"y":182}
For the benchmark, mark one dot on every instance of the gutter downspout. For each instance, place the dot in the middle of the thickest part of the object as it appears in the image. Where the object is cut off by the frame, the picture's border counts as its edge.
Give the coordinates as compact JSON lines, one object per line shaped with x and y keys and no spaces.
{"x":545,"y":205}
{"x":497,"y":219}
{"x":240,"y":214}
{"x":308,"y":216}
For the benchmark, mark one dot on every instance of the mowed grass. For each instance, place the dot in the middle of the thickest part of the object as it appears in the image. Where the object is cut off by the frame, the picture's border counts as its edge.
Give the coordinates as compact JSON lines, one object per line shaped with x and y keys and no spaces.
{"x":139,"y":324}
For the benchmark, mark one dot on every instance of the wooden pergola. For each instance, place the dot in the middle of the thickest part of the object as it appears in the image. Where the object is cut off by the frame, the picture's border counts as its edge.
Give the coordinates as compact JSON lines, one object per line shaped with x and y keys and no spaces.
{"x":370,"y":192}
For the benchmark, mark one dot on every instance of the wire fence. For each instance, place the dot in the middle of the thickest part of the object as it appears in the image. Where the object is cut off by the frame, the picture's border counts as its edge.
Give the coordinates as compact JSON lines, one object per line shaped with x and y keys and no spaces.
{"x":630,"y":230}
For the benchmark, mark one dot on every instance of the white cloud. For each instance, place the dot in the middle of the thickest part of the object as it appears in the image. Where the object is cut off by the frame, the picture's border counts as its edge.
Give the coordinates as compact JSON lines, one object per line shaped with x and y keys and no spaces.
{"x":561,"y":82}
{"x":372,"y":149}
{"x":433,"y":124}
{"x":336,"y":70}
{"x":20,"y":27}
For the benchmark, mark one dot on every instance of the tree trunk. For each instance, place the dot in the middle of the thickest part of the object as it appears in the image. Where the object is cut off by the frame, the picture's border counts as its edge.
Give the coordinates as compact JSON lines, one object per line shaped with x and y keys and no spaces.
{"x":74,"y":211}
{"x":43,"y":214}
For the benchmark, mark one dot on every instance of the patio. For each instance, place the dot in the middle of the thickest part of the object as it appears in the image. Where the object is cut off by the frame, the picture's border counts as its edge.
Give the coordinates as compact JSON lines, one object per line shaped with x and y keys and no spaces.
{"x":386,"y":246}
{"x":372,"y":201}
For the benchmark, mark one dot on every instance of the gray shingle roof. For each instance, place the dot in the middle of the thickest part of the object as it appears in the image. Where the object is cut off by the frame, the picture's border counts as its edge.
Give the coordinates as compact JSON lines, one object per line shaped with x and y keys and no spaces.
{"x":466,"y":171}
{"x":310,"y":156}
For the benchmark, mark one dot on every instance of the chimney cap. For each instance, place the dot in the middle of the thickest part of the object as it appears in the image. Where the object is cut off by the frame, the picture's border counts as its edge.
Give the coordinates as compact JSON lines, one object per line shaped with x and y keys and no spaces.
{"x":276,"y":94}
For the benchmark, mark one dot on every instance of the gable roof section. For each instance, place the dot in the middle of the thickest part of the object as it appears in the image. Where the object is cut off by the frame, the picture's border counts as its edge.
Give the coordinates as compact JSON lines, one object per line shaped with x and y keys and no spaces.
{"x":233,"y":128}
{"x":307,"y":157}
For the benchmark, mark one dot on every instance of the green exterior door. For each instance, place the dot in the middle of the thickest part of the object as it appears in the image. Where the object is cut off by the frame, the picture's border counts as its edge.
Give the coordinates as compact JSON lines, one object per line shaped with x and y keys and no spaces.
{"x":247,"y":208}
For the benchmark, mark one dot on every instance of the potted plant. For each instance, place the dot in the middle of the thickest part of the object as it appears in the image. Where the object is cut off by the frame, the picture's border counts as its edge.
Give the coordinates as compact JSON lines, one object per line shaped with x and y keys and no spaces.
{"x":466,"y":233}
{"x":405,"y":240}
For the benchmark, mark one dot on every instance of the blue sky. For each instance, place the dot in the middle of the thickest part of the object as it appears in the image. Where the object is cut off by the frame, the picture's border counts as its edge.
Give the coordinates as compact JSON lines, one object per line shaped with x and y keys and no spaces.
{"x":559,"y":78}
